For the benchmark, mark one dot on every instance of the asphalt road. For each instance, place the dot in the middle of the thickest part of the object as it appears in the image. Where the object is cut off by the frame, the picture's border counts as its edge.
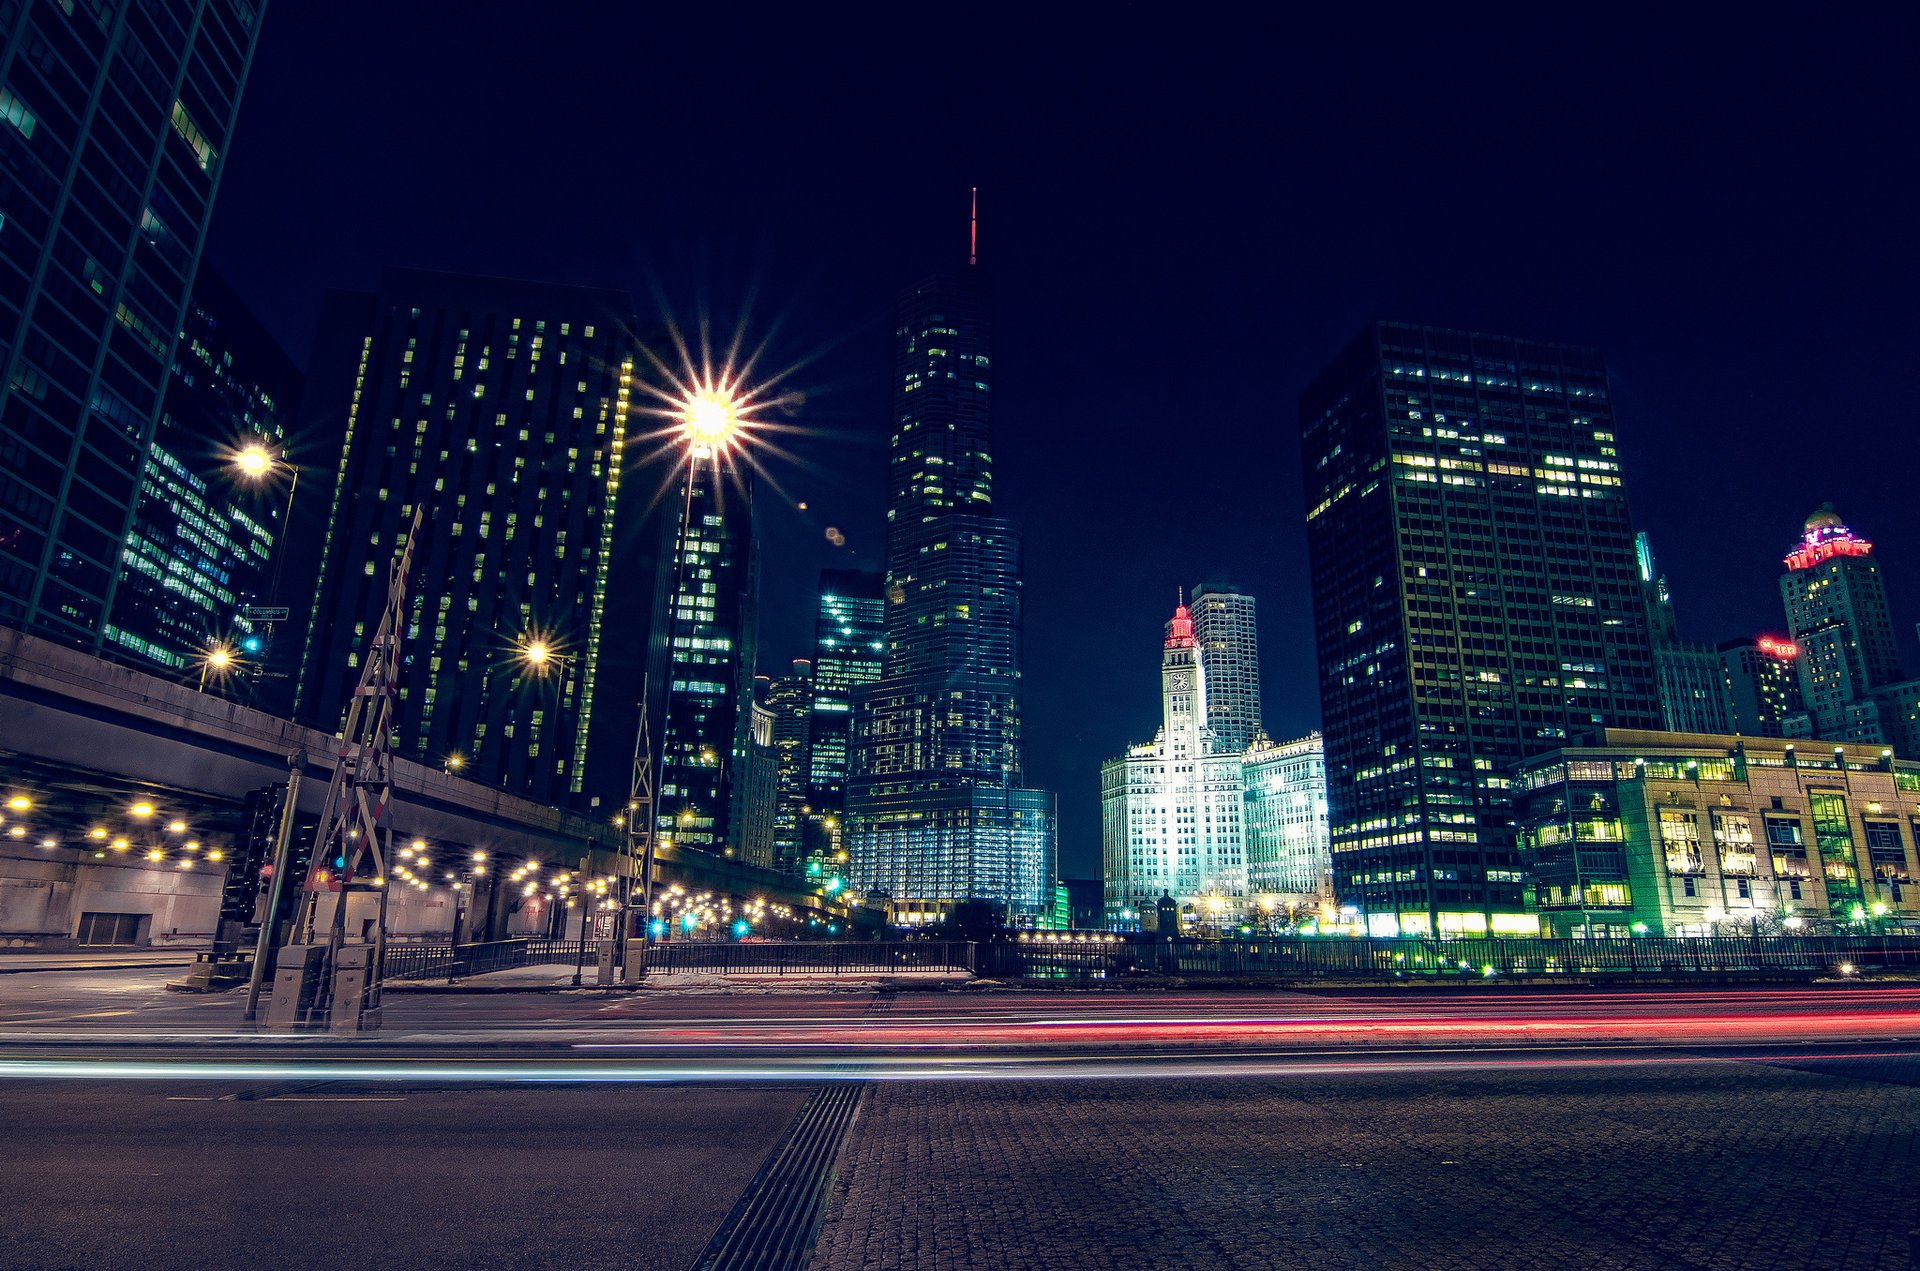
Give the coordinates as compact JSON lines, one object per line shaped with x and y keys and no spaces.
{"x":1482,"y":1127}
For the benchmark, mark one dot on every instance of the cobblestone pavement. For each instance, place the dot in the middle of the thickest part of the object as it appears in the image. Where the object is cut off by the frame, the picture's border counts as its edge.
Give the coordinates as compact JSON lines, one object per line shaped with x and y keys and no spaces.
{"x":1746,"y":1166}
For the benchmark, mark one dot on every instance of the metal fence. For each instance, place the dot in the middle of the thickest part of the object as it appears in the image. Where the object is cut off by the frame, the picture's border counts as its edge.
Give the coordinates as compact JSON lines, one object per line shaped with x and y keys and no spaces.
{"x":1340,"y":957}
{"x":800,"y":957}
{"x":440,"y":961}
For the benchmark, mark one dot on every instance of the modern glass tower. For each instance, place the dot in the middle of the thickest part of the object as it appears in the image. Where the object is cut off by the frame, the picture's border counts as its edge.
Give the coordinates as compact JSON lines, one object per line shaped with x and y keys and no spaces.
{"x":199,"y":567}
{"x":789,"y":699}
{"x":114,"y":122}
{"x":1476,"y":601}
{"x":849,"y":649}
{"x":500,"y":408}
{"x":713,"y":633}
{"x":1223,"y":623}
{"x":937,"y":810}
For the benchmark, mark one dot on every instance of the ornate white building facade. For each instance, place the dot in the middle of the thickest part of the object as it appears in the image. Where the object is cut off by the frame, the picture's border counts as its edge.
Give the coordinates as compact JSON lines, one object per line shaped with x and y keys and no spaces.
{"x":1176,"y":812}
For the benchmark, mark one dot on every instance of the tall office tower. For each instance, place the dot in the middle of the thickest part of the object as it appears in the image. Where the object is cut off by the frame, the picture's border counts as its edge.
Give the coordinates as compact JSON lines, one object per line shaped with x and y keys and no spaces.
{"x":114,"y":120}
{"x":1689,"y":677}
{"x":849,"y":646}
{"x":1836,"y":605}
{"x":1475,"y":600}
{"x":1171,"y":809}
{"x":759,"y":787}
{"x":500,"y":408}
{"x":712,"y":588}
{"x":937,"y":811}
{"x":1284,"y":823}
{"x":198,"y":568}
{"x":1763,"y":684}
{"x":1223,"y":623}
{"x":789,"y":699}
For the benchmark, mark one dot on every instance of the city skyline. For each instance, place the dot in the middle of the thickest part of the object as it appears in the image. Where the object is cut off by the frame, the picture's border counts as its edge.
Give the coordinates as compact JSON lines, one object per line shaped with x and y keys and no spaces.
{"x":1688,"y":320}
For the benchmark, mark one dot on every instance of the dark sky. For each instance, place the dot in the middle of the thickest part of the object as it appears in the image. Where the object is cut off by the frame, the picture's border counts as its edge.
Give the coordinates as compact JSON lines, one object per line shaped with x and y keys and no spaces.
{"x":1186,"y":217}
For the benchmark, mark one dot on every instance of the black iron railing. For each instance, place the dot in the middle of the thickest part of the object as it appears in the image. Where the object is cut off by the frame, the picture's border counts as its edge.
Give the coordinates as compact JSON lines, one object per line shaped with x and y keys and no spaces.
{"x":800,"y":957}
{"x":1306,"y":957}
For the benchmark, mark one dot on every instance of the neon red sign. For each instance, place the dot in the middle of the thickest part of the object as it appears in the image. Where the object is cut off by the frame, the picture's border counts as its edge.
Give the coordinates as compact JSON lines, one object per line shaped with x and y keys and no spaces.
{"x":1779,"y":648}
{"x":1816,"y":549}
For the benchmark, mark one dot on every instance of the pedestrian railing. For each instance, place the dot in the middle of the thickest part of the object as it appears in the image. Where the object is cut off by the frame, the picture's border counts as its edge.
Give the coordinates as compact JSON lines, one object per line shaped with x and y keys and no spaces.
{"x":807,"y":957}
{"x":1060,"y":955}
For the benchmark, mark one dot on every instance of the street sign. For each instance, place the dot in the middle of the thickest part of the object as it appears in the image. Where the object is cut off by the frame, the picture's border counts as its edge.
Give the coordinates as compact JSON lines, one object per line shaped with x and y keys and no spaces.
{"x":265,"y":613}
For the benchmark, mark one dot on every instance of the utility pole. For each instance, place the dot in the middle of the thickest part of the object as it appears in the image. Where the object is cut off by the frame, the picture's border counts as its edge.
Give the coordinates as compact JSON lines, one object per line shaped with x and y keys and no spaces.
{"x":330,"y":984}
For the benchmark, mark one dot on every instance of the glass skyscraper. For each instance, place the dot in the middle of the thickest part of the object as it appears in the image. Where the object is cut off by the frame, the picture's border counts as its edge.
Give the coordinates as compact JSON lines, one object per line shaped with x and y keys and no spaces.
{"x":499,"y":407}
{"x":1476,"y":601}
{"x":199,"y":563}
{"x":114,"y":122}
{"x":849,"y":649}
{"x":1223,"y":623}
{"x":937,"y":811}
{"x":712,"y":628}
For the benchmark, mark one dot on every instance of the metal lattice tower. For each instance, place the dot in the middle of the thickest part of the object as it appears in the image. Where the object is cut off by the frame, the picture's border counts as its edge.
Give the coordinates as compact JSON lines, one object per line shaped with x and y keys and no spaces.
{"x":354,"y":824}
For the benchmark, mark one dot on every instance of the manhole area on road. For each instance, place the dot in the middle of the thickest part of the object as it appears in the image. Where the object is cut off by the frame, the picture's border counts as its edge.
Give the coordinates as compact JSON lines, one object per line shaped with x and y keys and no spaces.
{"x":776,"y":1220}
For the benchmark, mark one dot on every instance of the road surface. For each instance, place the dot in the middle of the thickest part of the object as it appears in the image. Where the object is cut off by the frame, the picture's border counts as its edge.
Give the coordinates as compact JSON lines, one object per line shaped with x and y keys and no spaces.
{"x":1744,"y":1127}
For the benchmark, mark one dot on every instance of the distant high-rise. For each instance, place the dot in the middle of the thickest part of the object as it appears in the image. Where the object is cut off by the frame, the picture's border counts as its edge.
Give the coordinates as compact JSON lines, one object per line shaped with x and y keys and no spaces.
{"x":849,"y":647}
{"x":198,"y":567}
{"x":937,"y":811}
{"x":499,"y":407}
{"x":1476,"y":601}
{"x":1763,"y":684}
{"x":114,"y":122}
{"x":789,"y":699}
{"x":1223,"y":624}
{"x":1836,"y":605}
{"x":1689,"y":677}
{"x":712,"y":623}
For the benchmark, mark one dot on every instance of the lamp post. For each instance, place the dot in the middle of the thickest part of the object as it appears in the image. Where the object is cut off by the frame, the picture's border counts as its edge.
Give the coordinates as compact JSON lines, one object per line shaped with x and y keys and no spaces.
{"x":708,"y":419}
{"x":257,"y":463}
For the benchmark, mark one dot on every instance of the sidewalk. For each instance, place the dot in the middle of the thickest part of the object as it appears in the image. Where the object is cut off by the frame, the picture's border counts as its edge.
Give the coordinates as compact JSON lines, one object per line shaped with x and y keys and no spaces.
{"x":555,"y":979}
{"x":12,"y":962}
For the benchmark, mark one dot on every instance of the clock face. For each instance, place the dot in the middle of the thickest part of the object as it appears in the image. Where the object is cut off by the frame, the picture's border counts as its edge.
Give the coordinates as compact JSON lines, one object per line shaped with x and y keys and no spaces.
{"x":1180,"y":681}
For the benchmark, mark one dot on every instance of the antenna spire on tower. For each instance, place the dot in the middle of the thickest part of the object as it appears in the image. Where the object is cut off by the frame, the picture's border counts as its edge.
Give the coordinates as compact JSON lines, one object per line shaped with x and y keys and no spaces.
{"x":973,"y":230}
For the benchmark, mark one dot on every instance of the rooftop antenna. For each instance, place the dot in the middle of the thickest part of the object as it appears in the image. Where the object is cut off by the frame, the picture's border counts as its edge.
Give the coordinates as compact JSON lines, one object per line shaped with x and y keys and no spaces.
{"x":973,"y":230}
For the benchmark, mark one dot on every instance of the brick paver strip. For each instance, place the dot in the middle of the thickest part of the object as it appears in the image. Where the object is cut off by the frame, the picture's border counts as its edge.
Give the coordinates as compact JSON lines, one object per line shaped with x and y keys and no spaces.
{"x":1702,"y":1166}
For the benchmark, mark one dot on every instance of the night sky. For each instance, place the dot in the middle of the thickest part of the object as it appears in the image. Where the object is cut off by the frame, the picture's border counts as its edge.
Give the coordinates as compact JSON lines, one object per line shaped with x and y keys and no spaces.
{"x":1184,"y":224}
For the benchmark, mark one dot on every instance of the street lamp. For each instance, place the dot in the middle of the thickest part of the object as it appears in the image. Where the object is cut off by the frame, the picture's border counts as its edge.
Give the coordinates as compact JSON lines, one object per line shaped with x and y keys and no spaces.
{"x":256,"y":463}
{"x":221,"y":660}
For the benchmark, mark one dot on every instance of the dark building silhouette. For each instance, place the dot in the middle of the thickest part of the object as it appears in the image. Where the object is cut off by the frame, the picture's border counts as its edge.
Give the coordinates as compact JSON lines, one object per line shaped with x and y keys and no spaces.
{"x":1476,"y":601}
{"x":500,"y":408}
{"x":114,"y":122}
{"x":199,"y":566}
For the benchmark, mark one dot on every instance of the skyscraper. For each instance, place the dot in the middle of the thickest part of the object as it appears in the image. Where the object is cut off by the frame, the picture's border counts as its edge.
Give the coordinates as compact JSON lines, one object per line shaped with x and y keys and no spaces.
{"x":198,"y":566}
{"x":849,"y":647}
{"x":1836,"y":605}
{"x":1689,"y":677}
{"x":1476,"y":600}
{"x":1223,"y":624}
{"x":114,"y":121}
{"x":789,"y":699}
{"x":1763,"y":684}
{"x":1171,"y":809}
{"x":500,"y":407}
{"x":712,"y":630}
{"x":937,"y":811}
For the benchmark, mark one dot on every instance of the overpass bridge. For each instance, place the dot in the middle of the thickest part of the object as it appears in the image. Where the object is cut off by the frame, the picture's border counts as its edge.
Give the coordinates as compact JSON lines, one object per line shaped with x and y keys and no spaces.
{"x":86,"y":743}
